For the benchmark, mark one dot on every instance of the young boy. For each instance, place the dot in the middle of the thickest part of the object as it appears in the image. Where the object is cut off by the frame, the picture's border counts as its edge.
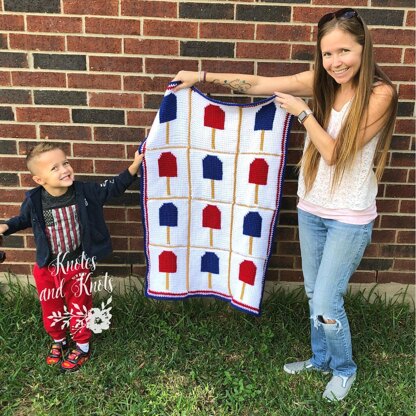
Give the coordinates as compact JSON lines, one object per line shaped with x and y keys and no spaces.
{"x":70,"y":233}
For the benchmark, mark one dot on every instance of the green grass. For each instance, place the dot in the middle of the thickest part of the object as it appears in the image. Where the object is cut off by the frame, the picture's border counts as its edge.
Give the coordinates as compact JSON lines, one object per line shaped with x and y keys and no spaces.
{"x":202,"y":357}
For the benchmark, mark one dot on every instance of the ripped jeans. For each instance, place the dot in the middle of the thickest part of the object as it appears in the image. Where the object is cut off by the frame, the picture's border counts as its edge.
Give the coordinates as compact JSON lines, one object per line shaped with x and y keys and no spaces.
{"x":331,"y":251}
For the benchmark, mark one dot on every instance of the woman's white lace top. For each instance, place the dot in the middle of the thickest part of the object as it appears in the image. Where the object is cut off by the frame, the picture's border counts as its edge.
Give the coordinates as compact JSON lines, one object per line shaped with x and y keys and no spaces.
{"x":358,"y":187}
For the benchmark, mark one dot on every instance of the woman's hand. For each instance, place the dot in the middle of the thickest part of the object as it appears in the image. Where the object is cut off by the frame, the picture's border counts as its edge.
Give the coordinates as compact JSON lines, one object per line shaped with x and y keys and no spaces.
{"x":293,"y":105}
{"x":188,"y":79}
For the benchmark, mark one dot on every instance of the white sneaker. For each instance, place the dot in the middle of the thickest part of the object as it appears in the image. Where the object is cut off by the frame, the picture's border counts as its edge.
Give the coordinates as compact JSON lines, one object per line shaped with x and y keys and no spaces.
{"x":338,"y":387}
{"x":300,"y":366}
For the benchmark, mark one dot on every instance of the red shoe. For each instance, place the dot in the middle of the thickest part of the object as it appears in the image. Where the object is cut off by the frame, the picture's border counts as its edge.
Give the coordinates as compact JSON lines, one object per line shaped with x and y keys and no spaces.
{"x":75,"y":360}
{"x":56,"y":353}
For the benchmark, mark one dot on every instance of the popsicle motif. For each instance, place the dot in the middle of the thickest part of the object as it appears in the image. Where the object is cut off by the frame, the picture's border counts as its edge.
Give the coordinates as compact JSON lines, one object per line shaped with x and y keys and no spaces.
{"x":259,"y":170}
{"x":167,"y":264}
{"x":167,"y":112}
{"x":252,"y":227}
{"x":167,"y":168}
{"x":212,"y":169}
{"x":214,"y":117}
{"x":264,"y":120}
{"x":210,"y":263}
{"x":211,"y":218}
{"x":168,"y":217}
{"x":247,"y":275}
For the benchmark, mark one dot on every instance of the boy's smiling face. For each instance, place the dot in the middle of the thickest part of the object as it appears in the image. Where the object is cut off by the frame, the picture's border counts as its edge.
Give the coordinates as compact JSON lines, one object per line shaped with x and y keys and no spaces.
{"x":52,"y":170}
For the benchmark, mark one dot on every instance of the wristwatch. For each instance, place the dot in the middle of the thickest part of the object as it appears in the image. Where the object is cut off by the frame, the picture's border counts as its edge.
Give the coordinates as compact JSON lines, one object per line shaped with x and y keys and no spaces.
{"x":304,"y":115}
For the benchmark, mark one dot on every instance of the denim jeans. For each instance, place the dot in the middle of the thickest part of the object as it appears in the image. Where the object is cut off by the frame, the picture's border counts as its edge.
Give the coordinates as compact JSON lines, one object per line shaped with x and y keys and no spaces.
{"x":331,"y":251}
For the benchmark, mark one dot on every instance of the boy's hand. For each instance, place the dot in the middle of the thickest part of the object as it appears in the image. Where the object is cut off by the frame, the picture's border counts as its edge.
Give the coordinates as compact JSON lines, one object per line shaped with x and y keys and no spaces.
{"x":3,"y":229}
{"x":134,"y":167}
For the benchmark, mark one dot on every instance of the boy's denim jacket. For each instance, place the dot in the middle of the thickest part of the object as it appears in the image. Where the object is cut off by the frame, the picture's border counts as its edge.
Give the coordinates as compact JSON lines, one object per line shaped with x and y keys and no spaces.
{"x":90,"y":198}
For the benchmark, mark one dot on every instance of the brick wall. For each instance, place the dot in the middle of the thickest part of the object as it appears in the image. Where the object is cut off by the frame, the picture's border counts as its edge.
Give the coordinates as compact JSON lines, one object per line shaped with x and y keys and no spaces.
{"x":91,"y":75}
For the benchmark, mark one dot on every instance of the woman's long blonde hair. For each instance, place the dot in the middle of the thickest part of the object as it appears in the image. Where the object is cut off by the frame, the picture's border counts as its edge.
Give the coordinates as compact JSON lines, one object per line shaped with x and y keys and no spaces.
{"x":324,"y":90}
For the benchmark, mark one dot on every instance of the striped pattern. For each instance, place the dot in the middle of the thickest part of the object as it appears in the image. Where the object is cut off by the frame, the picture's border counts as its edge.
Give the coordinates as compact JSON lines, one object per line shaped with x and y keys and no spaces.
{"x":62,"y":229}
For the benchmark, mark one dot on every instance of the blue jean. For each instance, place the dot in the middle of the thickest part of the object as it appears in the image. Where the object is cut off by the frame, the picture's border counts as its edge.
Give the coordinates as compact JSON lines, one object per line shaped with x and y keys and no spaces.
{"x":331,"y":251}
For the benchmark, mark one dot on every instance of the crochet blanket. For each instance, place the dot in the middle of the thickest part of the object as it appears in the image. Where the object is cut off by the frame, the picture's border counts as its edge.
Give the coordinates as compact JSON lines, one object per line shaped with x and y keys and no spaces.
{"x":211,"y":186}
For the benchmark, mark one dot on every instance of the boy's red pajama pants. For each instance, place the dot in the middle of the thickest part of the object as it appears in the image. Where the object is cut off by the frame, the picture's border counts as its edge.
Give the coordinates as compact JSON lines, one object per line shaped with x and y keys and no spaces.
{"x":75,"y":290}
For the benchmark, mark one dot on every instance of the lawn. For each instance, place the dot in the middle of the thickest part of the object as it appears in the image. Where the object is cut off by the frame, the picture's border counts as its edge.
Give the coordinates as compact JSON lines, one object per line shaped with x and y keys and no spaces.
{"x":202,"y":357}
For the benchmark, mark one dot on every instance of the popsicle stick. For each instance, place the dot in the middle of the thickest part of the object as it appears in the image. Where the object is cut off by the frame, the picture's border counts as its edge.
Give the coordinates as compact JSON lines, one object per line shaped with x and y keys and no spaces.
{"x":209,"y":281}
{"x":168,"y":235}
{"x":167,"y":132}
{"x":211,"y":237}
{"x":212,"y":189}
{"x":213,"y":138}
{"x":167,"y":281}
{"x":256,"y":195}
{"x":262,"y":140}
{"x":168,"y":185}
{"x":250,"y":246}
{"x":242,"y":291}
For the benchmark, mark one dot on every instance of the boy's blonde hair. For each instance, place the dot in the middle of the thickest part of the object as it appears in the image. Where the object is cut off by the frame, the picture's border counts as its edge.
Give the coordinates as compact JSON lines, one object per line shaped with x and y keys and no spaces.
{"x":38,"y":150}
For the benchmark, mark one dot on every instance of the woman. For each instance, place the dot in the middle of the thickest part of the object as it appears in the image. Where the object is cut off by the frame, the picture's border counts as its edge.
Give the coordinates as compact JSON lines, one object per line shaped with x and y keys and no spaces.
{"x":349,"y":128}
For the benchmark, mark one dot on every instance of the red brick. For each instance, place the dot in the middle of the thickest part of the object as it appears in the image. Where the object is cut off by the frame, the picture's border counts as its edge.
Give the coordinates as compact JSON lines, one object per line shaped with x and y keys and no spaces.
{"x":173,"y":66}
{"x":238,"y":67}
{"x":400,"y":191}
{"x":120,"y":243}
{"x":397,"y":277}
{"x":99,"y":150}
{"x":404,"y":265}
{"x":400,"y":73}
{"x":387,"y":205}
{"x":407,"y":207}
{"x":119,"y":100}
{"x":99,"y":82}
{"x":138,"y":270}
{"x":67,"y":133}
{"x":400,"y":143}
{"x":262,"y":50}
{"x":115,"y":64}
{"x":171,"y":28}
{"x":232,"y":31}
{"x":35,"y":114}
{"x":125,"y":229}
{"x":82,"y":165}
{"x":18,"y":269}
{"x":36,"y":42}
{"x":394,"y":175}
{"x":134,"y":214}
{"x":140,"y":118}
{"x":93,"y":44}
{"x":410,"y":21}
{"x":411,"y":177}
{"x":12,"y":164}
{"x":396,"y":221}
{"x":406,"y":126}
{"x":136,"y":244}
{"x":383,"y":236}
{"x":39,"y":79}
{"x":112,"y":26}
{"x":286,"y":33}
{"x":20,"y":256}
{"x":118,"y":134}
{"x":275,"y":69}
{"x":54,"y":24}
{"x":388,"y":55}
{"x":309,"y":15}
{"x":151,"y":46}
{"x":349,"y":3}
{"x":402,"y":159}
{"x":364,"y":277}
{"x":409,"y":56}
{"x":105,"y":167}
{"x":18,"y":131}
{"x":407,"y":91}
{"x":395,"y":36}
{"x":149,"y":8}
{"x":406,"y":237}
{"x":115,"y":214}
{"x":303,"y":52}
{"x":5,"y":78}
{"x":10,"y":22}
{"x":96,"y":7}
{"x":141,"y":84}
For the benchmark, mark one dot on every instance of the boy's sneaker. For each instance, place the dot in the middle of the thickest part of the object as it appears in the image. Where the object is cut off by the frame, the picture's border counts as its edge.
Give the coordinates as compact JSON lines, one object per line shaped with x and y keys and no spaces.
{"x":75,"y":360}
{"x":300,"y":366}
{"x":338,"y":387}
{"x":56,"y":353}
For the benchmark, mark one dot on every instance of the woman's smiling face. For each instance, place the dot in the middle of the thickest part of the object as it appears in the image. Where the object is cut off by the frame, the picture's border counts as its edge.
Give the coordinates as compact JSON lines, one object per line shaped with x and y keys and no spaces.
{"x":341,"y":56}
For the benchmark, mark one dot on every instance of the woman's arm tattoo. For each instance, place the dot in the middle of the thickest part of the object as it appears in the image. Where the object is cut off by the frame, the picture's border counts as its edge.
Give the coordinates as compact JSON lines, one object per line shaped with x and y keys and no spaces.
{"x":238,"y":85}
